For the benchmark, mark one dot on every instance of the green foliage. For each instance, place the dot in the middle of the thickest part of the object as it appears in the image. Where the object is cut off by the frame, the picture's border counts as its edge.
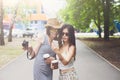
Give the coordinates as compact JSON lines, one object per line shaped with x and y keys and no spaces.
{"x":81,"y":12}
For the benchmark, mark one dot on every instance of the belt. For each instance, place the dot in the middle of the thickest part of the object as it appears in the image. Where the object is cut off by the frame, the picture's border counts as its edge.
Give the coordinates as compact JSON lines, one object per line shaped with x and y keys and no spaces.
{"x":67,"y":70}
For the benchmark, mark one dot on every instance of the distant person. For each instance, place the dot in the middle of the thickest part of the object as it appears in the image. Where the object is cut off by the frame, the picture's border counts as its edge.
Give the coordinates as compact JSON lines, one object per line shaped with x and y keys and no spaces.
{"x":66,"y":53}
{"x":42,"y":70}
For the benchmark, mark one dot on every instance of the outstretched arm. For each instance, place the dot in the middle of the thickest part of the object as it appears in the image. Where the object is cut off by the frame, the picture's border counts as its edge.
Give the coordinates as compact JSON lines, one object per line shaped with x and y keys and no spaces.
{"x":34,"y":51}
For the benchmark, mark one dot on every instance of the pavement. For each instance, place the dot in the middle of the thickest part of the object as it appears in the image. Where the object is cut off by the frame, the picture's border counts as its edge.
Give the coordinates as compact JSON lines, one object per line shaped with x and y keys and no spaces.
{"x":89,"y":66}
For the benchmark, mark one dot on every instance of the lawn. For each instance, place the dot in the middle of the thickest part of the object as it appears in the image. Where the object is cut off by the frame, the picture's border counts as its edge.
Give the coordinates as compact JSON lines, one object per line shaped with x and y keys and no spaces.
{"x":11,"y":50}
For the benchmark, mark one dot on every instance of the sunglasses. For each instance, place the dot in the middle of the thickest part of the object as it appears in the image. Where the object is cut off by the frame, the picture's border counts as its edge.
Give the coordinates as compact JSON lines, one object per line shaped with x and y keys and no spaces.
{"x":66,"y":34}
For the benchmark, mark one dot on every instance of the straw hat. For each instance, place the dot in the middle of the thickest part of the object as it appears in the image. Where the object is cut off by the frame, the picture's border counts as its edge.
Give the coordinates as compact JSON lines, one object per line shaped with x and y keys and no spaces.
{"x":53,"y":22}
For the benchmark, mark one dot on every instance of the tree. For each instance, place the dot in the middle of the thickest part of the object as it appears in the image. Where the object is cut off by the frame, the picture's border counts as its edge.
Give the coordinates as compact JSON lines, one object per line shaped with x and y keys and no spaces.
{"x":12,"y":23}
{"x":1,"y":24}
{"x":80,"y":13}
{"x":106,"y":13}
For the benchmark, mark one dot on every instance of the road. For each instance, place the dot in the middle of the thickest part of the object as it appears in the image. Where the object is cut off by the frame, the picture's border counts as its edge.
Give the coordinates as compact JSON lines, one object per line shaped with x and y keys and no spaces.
{"x":89,"y":66}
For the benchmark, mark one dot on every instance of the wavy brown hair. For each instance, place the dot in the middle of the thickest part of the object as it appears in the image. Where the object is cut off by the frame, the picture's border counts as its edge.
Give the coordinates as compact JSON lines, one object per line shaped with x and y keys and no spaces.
{"x":71,"y":35}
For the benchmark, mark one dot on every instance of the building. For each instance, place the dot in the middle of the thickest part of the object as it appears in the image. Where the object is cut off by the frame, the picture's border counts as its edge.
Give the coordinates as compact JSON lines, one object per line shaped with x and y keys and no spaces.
{"x":32,"y":10}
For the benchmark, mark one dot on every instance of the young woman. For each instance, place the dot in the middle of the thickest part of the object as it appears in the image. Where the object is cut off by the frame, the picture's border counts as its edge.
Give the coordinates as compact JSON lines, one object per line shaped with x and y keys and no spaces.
{"x":42,"y":70}
{"x":66,"y":53}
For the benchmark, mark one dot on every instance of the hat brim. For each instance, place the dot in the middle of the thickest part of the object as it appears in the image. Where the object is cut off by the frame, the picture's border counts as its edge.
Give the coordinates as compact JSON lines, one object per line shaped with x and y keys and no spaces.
{"x":53,"y":26}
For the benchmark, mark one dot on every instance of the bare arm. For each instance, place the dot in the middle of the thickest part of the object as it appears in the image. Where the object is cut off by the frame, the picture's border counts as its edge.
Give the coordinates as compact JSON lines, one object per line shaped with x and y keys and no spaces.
{"x":70,"y":54}
{"x":34,"y":51}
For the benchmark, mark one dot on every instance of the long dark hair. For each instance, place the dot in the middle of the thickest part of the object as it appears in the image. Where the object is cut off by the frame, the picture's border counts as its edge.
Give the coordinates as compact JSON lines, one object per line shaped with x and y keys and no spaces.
{"x":71,"y":35}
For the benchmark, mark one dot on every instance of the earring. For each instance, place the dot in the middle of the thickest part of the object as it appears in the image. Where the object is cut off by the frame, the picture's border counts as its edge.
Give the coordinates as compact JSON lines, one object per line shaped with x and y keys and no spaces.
{"x":62,"y":41}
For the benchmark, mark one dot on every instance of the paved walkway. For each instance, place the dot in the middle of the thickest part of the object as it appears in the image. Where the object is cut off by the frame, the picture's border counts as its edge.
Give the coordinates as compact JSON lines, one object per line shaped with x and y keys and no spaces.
{"x":89,"y":66}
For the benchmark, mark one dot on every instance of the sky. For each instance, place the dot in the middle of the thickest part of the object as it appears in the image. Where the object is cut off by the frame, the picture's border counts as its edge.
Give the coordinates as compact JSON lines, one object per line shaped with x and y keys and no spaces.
{"x":51,"y":7}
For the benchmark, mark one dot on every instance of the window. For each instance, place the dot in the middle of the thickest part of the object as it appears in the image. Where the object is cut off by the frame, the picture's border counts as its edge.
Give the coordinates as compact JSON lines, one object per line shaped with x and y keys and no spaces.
{"x":42,"y":10}
{"x":35,"y":22}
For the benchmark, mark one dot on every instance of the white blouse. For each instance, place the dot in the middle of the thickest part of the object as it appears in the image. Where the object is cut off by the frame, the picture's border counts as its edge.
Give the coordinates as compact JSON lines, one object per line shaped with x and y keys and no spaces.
{"x":69,"y":65}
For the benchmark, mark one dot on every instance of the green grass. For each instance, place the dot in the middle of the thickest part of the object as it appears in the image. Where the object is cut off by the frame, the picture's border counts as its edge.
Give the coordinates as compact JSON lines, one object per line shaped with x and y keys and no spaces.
{"x":11,"y":50}
{"x":95,"y":36}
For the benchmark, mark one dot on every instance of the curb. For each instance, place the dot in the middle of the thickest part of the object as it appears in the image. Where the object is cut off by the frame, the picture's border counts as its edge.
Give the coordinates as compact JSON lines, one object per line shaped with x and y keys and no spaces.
{"x":101,"y":57}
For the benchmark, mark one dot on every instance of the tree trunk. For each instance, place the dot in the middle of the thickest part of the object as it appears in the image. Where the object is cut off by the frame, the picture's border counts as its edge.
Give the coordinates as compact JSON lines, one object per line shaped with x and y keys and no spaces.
{"x":12,"y":23}
{"x":1,"y":25}
{"x":106,"y":18}
{"x":10,"y":33}
{"x":99,"y":21}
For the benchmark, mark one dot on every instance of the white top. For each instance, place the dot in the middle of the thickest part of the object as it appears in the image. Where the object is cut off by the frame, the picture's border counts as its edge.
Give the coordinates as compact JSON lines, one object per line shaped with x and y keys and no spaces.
{"x":69,"y":65}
